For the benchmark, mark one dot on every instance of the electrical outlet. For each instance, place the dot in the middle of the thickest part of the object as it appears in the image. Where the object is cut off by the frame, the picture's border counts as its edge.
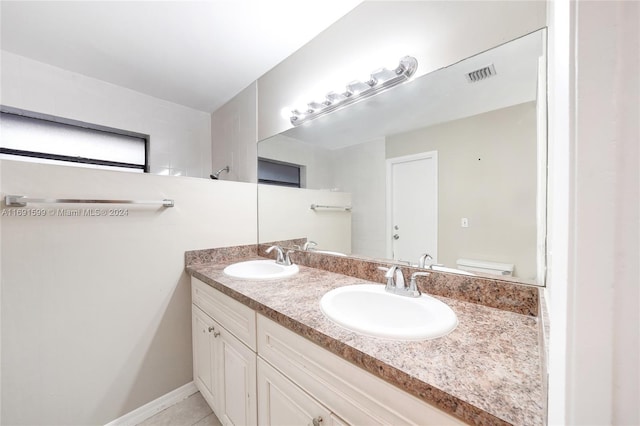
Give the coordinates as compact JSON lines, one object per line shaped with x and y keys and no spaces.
{"x":464,"y":222}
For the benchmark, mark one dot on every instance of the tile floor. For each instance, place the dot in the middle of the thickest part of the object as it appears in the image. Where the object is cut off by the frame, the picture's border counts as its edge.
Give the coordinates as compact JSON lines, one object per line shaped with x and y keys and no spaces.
{"x":193,"y":411}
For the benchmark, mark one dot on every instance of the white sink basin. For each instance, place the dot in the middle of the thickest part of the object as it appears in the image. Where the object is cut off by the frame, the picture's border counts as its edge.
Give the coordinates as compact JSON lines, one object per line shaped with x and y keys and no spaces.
{"x":368,"y":309}
{"x":260,"y":270}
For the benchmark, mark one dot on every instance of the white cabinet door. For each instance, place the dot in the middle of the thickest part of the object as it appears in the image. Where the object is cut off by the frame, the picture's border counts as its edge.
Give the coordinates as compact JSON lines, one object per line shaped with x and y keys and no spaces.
{"x":237,"y":366}
{"x":204,"y":356}
{"x":282,"y":403}
{"x":224,"y":370}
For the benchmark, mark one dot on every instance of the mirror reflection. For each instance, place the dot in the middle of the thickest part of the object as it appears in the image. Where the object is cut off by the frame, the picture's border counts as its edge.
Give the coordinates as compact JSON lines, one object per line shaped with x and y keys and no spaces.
{"x":447,"y":170}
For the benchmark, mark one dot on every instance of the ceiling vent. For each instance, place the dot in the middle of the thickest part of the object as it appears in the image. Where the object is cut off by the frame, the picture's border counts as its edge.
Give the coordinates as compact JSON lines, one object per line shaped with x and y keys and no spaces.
{"x":481,"y":74}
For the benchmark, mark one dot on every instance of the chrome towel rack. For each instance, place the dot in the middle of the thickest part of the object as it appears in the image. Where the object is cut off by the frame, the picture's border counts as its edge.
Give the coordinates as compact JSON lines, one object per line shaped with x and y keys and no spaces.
{"x":321,"y":207}
{"x":22,"y":201}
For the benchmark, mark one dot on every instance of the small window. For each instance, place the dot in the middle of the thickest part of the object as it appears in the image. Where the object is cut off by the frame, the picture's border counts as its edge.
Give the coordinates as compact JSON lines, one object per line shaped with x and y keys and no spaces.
{"x":277,"y":173}
{"x":36,"y":137}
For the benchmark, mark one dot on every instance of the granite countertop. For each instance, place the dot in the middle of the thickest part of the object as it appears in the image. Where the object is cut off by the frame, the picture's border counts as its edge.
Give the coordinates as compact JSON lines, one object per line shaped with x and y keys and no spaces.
{"x":486,"y":372}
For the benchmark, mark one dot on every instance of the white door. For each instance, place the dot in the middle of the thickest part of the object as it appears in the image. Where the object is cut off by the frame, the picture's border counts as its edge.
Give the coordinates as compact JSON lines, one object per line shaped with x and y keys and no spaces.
{"x":238,"y":405}
{"x":204,"y":356}
{"x":412,"y":206}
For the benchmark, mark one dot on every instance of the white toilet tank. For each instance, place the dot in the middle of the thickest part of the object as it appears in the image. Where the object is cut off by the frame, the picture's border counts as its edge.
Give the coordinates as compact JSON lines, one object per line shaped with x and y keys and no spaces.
{"x":485,"y":267}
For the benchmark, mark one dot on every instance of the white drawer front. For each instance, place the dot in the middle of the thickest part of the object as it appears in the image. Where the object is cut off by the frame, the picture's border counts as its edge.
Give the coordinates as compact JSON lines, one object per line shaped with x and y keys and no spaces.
{"x":355,"y":395}
{"x":239,"y":319}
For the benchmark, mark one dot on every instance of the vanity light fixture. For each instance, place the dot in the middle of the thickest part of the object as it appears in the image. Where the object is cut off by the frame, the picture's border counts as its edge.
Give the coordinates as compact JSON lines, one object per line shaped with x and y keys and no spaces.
{"x":380,"y":80}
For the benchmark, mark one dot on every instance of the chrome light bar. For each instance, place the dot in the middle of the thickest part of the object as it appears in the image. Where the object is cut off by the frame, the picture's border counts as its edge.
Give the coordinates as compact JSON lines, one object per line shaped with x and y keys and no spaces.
{"x":380,"y":80}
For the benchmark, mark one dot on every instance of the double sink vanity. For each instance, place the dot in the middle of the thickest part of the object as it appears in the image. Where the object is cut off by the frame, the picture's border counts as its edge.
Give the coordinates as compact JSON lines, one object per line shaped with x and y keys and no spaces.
{"x":339,"y":335}
{"x":322,"y":341}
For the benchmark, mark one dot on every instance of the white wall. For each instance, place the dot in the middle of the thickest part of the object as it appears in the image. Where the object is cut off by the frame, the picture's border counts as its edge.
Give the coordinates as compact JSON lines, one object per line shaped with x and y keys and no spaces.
{"x":96,"y":310}
{"x":377,"y":34}
{"x":180,"y":142}
{"x":234,"y":136}
{"x":594,"y":362}
{"x":285,"y":213}
{"x":360,"y":170}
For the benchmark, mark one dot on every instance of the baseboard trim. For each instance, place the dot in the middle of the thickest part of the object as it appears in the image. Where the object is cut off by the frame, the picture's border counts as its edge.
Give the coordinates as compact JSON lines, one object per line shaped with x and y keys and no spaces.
{"x":149,"y":409}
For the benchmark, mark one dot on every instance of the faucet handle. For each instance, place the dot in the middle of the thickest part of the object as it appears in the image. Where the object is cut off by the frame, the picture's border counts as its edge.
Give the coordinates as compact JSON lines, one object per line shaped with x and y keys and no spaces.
{"x":287,"y":258}
{"x":413,"y":286}
{"x":388,"y":271}
{"x":389,"y":275}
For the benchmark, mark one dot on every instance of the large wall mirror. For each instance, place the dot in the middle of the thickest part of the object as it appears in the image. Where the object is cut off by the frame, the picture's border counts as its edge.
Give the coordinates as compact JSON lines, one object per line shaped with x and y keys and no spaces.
{"x":452,"y":164}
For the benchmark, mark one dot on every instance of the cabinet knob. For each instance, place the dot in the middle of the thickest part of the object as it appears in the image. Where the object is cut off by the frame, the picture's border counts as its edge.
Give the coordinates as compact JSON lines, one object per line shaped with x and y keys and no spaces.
{"x":211,"y":329}
{"x":317,"y":421}
{"x":216,"y":334}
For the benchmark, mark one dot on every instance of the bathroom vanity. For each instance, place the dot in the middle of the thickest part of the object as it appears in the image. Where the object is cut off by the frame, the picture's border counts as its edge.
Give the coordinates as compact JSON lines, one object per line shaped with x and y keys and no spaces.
{"x":264,"y":353}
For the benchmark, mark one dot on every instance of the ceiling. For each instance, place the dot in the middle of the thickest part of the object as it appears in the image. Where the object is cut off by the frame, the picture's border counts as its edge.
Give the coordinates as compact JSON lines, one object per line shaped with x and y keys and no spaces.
{"x":195,"y":53}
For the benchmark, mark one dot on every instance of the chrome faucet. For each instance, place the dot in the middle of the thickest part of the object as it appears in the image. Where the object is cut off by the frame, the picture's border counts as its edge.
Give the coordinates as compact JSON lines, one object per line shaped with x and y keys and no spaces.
{"x":395,"y":282}
{"x":423,"y":260}
{"x":282,"y":258}
{"x":309,"y":245}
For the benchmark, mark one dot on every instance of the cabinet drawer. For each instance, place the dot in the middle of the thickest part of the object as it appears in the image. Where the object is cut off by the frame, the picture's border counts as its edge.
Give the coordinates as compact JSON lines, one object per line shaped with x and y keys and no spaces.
{"x":237,"y":318}
{"x":280,"y":402}
{"x":353,"y":394}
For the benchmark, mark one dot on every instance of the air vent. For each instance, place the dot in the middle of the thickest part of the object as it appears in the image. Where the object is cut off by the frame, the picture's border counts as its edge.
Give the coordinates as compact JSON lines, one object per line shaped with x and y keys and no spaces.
{"x":481,"y":74}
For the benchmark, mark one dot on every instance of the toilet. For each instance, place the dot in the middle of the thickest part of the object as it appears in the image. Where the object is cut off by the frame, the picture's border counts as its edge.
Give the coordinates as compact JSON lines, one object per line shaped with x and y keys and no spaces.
{"x":485,"y":267}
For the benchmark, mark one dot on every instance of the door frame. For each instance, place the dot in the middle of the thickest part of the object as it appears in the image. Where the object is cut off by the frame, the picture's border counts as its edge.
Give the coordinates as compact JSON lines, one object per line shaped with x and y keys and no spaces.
{"x":389,"y":222}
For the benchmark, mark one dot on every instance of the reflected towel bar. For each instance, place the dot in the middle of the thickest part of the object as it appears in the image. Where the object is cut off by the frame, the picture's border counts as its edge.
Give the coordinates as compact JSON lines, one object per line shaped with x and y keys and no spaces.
{"x":318,"y":206}
{"x":21,"y":201}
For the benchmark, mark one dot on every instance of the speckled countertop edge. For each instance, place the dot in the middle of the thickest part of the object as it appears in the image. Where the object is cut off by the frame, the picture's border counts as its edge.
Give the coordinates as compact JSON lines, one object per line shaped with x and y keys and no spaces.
{"x":486,"y":372}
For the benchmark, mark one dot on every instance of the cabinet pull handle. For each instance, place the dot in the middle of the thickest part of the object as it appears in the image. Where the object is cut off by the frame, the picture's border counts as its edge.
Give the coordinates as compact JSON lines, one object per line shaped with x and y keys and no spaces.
{"x":317,"y":421}
{"x":216,"y":334}
{"x":211,"y":329}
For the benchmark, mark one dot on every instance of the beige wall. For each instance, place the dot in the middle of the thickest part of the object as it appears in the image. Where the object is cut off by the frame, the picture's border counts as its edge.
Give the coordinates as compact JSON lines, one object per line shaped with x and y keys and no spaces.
{"x":487,"y":173}
{"x":377,"y":34}
{"x":96,"y":310}
{"x":285,"y":213}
